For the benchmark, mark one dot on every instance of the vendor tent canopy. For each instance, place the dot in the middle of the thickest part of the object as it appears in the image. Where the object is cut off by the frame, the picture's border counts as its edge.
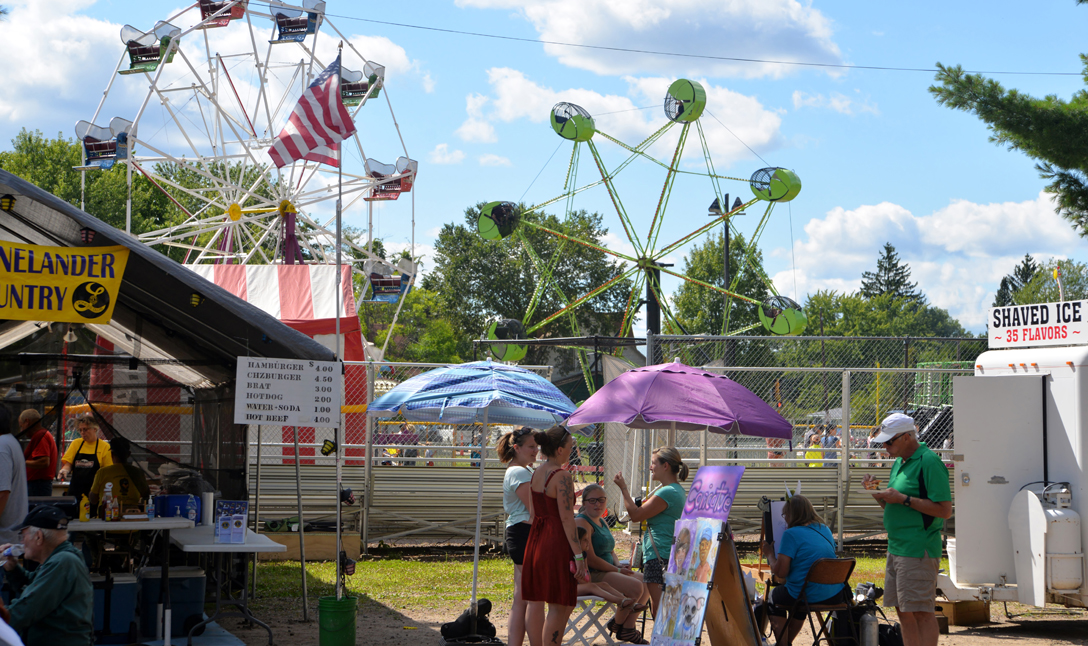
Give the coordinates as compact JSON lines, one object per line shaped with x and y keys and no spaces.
{"x":154,"y":317}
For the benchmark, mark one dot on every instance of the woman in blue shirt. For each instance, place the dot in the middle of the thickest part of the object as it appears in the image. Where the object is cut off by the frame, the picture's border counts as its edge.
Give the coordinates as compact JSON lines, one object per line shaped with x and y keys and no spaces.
{"x":518,"y":449}
{"x":660,"y":511}
{"x":806,"y":540}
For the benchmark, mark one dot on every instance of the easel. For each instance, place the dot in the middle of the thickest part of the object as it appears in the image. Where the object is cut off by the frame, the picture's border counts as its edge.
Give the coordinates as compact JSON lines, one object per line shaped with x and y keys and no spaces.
{"x":729,"y":617}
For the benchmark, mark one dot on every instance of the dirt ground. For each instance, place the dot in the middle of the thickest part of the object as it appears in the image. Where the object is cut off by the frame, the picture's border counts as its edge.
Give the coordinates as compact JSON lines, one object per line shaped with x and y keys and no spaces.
{"x":382,"y":626}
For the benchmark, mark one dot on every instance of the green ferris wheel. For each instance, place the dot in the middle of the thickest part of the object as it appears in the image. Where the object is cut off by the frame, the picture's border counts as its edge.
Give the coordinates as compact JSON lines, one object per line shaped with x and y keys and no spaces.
{"x":684,"y":103}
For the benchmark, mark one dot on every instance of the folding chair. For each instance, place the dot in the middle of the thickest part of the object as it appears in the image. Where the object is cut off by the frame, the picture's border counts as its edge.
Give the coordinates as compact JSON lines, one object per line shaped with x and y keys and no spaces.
{"x":829,"y":572}
{"x":589,"y":615}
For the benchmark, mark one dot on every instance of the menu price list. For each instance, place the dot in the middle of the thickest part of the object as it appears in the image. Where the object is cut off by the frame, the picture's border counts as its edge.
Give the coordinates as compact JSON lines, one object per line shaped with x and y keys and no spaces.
{"x":288,"y":392}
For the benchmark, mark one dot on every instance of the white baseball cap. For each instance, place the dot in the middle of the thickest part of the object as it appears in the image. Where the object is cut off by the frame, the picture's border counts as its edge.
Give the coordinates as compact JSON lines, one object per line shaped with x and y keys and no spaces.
{"x":894,"y":425}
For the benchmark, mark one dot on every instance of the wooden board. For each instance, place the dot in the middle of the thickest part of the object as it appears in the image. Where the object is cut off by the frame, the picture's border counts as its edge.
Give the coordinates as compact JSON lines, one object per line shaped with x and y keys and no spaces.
{"x":729,"y":618}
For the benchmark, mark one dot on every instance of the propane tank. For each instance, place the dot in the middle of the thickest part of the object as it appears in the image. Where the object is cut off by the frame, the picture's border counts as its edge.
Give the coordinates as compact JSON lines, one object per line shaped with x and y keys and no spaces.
{"x":1064,"y":556}
{"x":870,"y":632}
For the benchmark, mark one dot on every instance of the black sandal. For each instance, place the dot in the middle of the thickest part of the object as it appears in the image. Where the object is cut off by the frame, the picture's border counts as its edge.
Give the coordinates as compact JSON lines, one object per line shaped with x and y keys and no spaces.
{"x":630,"y":635}
{"x":611,"y":625}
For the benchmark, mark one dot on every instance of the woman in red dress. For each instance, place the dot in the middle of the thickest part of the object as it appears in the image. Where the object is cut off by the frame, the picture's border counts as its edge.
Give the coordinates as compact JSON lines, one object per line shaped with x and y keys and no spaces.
{"x":553,"y":543}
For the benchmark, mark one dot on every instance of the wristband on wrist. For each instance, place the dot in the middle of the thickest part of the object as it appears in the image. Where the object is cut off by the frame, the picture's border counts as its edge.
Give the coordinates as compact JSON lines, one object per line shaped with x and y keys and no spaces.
{"x":579,"y":557}
{"x":907,"y":501}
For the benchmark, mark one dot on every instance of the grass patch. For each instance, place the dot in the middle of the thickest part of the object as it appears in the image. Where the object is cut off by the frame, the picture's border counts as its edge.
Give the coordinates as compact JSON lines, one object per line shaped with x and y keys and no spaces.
{"x":397,"y":584}
{"x":437,"y":585}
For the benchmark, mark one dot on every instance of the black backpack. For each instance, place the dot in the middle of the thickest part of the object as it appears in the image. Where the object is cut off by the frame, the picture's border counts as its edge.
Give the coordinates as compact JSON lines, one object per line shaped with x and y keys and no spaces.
{"x":462,"y":626}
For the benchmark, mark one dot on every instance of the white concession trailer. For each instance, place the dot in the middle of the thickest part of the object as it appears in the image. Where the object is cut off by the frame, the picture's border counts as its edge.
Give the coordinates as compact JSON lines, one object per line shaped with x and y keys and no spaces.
{"x":1021,"y":462}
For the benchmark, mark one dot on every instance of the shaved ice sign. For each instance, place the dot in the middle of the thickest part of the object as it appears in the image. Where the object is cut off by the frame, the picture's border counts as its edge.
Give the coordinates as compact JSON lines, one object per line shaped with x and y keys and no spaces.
{"x":1041,"y":324}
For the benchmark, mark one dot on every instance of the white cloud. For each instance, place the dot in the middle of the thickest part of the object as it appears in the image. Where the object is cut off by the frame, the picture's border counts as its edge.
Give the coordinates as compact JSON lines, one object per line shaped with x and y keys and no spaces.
{"x":779,"y":30}
{"x":516,"y":97}
{"x":957,"y":254}
{"x":833,"y":101}
{"x":53,"y":58}
{"x":443,"y":155}
{"x":493,"y":160}
{"x":476,"y":128}
{"x":428,"y":83}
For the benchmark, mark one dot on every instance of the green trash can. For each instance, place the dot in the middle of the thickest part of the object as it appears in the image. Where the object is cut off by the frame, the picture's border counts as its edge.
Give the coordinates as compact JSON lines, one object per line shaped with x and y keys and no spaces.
{"x":336,"y":619}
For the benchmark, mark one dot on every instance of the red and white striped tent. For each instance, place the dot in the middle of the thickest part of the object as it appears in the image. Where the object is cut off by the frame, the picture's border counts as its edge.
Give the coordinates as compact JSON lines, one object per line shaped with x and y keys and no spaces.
{"x":301,"y":296}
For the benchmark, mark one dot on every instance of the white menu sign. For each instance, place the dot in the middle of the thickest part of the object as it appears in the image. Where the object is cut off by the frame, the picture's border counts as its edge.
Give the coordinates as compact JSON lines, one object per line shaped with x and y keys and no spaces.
{"x":1022,"y":326}
{"x":288,"y":392}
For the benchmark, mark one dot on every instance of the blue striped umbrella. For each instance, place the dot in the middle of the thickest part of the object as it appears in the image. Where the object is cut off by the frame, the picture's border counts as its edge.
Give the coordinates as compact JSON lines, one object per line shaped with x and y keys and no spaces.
{"x":471,"y":393}
{"x":480,"y":392}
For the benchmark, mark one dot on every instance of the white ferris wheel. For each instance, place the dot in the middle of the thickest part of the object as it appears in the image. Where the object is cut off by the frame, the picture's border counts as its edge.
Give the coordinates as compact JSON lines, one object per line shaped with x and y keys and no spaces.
{"x":220,"y":79}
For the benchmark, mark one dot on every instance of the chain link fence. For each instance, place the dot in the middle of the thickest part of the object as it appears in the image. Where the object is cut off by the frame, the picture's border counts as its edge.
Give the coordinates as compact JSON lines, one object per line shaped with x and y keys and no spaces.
{"x":422,"y":479}
{"x":420,"y":474}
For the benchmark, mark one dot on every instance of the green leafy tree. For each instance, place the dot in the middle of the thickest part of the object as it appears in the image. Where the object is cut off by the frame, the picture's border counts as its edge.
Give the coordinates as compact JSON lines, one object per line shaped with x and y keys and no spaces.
{"x":1043,"y":287}
{"x":891,"y":277}
{"x":1021,"y":275}
{"x":1051,"y":130}
{"x":701,"y":310}
{"x":422,"y":333}
{"x":49,"y":164}
{"x":477,"y":279}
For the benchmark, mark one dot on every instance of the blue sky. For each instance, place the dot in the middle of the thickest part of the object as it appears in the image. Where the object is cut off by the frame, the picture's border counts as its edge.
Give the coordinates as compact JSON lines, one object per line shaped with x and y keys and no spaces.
{"x":880,"y":160}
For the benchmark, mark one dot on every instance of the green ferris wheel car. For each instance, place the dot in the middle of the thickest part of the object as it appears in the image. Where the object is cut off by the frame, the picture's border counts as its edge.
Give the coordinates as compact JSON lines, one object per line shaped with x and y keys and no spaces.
{"x":685,"y":101}
{"x":775,"y":184}
{"x":572,"y":122}
{"x":783,"y":316}
{"x":497,"y":220}
{"x":506,"y":330}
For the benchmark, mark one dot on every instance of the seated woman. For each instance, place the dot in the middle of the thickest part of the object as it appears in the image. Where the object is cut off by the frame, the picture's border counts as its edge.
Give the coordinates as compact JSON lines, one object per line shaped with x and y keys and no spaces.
{"x":806,"y":540}
{"x":603,"y":567}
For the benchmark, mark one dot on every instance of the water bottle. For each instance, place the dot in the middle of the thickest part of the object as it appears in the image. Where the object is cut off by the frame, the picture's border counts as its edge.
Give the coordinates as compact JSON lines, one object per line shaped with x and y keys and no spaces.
{"x":151,"y":507}
{"x":870,"y":633}
{"x":12,"y":552}
{"x":190,"y":508}
{"x":107,"y":502}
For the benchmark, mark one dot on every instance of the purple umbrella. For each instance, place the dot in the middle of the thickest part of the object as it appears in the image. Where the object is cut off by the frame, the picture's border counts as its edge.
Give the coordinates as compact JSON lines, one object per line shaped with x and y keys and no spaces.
{"x":672,"y":395}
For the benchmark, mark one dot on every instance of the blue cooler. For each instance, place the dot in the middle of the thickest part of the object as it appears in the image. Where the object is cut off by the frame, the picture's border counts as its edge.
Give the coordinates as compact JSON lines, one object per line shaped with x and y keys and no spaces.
{"x":121,"y":592}
{"x":171,"y":505}
{"x":186,"y":599}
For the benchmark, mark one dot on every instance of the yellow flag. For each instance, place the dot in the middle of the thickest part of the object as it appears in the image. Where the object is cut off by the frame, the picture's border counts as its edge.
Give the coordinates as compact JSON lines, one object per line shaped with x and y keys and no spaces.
{"x":66,"y":284}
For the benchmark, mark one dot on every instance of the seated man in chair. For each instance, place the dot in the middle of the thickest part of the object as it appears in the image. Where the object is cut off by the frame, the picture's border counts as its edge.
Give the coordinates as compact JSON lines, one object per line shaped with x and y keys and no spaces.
{"x":129,"y":483}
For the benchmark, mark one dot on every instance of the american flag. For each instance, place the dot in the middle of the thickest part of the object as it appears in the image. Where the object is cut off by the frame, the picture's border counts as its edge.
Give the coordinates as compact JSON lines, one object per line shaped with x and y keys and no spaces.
{"x":318,"y":124}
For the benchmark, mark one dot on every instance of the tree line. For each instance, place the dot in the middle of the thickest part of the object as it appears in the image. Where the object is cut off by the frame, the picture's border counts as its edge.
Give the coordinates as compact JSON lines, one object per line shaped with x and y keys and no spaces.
{"x":472,"y":280}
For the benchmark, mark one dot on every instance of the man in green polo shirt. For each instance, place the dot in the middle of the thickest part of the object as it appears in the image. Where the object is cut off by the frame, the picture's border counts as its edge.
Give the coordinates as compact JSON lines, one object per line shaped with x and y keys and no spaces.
{"x":915,"y":504}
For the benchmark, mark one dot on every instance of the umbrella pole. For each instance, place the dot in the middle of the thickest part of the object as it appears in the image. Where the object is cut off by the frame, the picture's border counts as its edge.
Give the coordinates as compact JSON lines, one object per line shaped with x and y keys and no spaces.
{"x":670,"y":439}
{"x":479,"y":508}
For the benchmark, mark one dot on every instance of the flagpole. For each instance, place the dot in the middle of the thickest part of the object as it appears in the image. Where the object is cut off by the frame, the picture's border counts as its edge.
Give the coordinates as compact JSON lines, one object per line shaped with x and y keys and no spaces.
{"x":337,"y":430}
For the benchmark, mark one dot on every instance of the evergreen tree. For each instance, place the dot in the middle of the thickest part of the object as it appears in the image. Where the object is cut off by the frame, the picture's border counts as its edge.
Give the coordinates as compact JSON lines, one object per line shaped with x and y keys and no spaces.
{"x":1019,"y":278}
{"x":1004,"y":293}
{"x":891,"y":277}
{"x":1043,"y":288}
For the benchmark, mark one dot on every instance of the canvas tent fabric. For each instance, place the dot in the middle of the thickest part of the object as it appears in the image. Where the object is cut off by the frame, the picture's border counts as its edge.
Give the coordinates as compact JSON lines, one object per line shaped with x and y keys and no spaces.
{"x":301,"y":296}
{"x":153,"y":309}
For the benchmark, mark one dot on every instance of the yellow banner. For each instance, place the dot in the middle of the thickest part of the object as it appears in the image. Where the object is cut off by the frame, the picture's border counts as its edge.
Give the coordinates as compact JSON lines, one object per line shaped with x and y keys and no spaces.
{"x":67,"y":284}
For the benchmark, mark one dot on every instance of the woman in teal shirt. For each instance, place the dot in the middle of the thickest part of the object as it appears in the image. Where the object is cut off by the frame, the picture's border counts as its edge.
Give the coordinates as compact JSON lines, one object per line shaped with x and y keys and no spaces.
{"x":660,"y":511}
{"x":603,"y":567}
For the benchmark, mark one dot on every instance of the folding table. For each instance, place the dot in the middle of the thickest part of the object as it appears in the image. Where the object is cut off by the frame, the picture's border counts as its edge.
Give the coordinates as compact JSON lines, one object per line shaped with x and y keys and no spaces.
{"x":202,"y":539}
